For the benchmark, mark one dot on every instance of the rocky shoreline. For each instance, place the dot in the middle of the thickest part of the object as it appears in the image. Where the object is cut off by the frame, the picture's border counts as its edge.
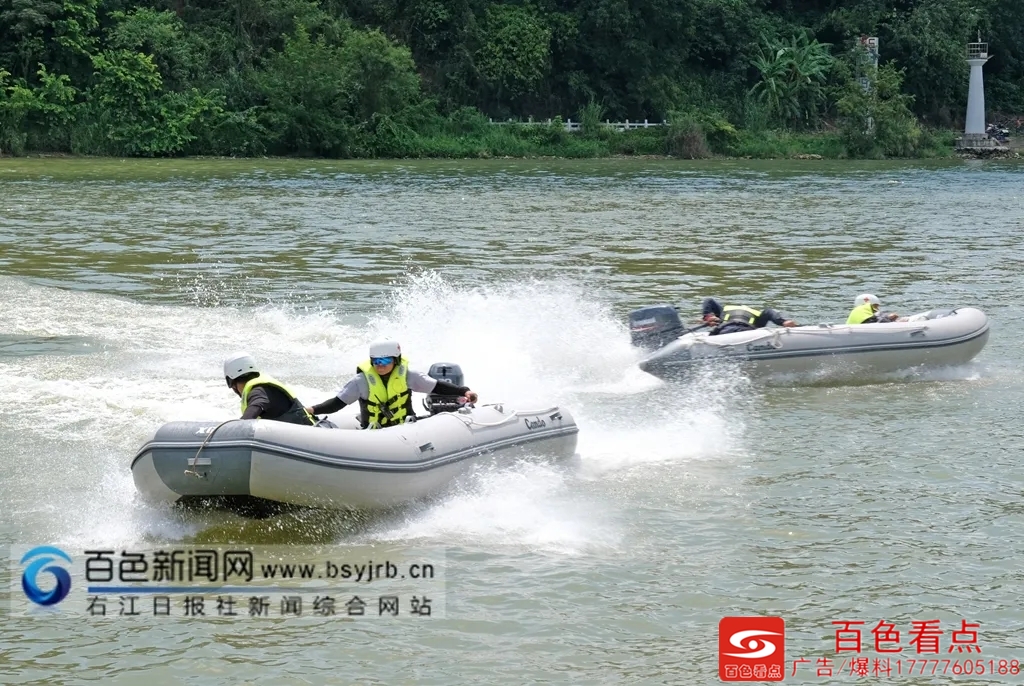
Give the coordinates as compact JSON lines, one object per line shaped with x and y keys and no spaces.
{"x":988,"y":154}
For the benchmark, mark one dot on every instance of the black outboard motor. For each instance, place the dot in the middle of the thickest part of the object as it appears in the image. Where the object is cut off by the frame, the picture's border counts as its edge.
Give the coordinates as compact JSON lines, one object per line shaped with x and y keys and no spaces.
{"x":444,"y":371}
{"x":655,"y":326}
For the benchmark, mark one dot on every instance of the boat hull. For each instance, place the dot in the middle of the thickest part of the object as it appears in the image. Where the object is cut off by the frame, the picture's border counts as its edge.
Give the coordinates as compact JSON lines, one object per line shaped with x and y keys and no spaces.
{"x":341,"y":468}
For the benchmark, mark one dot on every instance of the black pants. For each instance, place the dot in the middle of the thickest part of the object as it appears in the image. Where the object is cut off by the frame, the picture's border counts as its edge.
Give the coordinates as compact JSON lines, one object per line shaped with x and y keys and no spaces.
{"x":731,"y":327}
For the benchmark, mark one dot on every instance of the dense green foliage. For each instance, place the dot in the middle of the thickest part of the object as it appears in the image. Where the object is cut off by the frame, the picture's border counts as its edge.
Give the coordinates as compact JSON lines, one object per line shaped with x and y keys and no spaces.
{"x":421,"y":77}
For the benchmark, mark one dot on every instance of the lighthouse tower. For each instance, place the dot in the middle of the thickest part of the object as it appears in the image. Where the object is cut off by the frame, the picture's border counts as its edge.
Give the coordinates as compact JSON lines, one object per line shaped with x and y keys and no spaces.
{"x":974,"y":130}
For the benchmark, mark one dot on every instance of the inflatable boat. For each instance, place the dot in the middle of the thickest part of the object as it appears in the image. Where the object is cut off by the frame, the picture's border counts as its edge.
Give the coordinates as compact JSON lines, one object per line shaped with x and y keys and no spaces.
{"x":936,"y":338}
{"x":343,"y":467}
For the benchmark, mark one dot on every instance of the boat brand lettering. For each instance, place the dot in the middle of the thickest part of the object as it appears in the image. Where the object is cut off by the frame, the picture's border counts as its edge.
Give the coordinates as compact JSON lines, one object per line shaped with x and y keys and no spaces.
{"x":534,"y":423}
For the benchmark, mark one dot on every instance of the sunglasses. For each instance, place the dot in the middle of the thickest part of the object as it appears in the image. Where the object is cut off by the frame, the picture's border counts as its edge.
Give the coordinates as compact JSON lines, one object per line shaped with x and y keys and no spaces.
{"x":381,"y":361}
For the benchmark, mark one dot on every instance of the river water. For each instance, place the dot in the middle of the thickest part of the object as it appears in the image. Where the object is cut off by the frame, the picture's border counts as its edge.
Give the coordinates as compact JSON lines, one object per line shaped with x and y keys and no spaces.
{"x":125,"y":283}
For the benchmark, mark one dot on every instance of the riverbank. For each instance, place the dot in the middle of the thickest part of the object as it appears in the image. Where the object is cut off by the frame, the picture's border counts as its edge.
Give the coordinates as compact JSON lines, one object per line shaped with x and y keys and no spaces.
{"x":525,"y":141}
{"x":989,"y":154}
{"x":688,"y":140}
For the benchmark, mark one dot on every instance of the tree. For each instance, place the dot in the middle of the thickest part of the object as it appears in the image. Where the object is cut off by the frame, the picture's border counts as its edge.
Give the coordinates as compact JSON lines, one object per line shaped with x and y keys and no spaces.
{"x":516,"y":53}
{"x":876,"y":120}
{"x":793,"y":74}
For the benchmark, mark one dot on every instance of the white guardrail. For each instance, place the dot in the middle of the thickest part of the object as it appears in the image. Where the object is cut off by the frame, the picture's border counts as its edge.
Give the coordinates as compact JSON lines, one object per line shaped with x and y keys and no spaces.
{"x":571,"y":125}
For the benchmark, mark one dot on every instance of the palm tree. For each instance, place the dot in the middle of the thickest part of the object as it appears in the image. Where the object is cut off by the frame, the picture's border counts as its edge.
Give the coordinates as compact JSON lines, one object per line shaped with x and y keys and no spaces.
{"x":792,"y":75}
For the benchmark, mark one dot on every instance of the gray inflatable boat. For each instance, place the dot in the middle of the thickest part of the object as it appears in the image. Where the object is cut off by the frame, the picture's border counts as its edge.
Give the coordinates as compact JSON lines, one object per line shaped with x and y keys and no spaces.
{"x":935,"y":338}
{"x":341,"y":467}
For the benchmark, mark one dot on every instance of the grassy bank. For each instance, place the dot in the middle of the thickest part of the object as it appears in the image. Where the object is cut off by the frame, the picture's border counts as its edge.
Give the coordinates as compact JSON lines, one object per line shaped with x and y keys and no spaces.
{"x":688,"y":140}
{"x":522,"y":141}
{"x":472,"y":136}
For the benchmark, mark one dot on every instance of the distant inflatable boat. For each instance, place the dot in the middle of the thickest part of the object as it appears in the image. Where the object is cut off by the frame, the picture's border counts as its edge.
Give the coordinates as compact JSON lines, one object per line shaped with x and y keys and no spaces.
{"x":936,"y":338}
{"x":341,"y":467}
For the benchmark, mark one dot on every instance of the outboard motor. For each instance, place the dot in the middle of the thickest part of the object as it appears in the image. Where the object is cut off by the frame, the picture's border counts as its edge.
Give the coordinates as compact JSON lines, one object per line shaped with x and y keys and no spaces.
{"x":655,"y":326}
{"x":444,"y":371}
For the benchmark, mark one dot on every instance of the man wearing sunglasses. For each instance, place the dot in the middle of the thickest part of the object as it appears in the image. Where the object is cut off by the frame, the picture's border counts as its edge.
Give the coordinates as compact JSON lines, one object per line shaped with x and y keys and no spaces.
{"x":384,"y":385}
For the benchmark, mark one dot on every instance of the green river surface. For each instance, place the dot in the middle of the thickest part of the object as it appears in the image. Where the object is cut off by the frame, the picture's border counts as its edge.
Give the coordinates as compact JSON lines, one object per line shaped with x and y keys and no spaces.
{"x":124,"y":284}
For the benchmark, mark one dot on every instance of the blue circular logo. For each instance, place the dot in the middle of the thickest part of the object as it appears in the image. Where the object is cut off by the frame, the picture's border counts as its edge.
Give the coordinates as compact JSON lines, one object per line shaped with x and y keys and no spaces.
{"x":45,"y":555}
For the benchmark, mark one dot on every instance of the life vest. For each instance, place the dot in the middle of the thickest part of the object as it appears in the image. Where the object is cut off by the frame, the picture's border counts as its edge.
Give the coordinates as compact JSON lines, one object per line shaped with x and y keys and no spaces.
{"x":296,"y":414}
{"x":386,"y":406}
{"x":861,"y":313}
{"x":740,"y":314}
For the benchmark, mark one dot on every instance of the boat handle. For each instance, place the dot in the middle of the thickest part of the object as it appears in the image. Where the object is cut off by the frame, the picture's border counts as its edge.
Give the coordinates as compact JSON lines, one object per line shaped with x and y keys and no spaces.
{"x":195,"y":460}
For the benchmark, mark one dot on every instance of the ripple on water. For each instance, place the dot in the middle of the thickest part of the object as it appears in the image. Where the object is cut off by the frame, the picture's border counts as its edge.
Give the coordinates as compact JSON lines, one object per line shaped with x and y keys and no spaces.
{"x":125,"y":285}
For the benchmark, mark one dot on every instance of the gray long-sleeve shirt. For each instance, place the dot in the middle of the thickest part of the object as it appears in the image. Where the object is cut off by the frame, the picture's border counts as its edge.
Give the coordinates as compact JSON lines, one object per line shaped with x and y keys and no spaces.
{"x":358,"y":387}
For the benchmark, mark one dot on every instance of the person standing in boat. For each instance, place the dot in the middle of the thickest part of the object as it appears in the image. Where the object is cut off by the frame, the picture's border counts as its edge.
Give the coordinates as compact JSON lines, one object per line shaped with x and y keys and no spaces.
{"x":865,"y":311}
{"x":262,"y":396}
{"x":384,"y":385}
{"x":733,"y":318}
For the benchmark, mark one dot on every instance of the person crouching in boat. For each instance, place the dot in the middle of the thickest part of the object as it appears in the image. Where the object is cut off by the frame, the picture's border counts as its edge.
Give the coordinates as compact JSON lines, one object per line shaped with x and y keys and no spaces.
{"x":733,"y":318}
{"x":262,"y":396}
{"x":865,"y":311}
{"x":384,"y":385}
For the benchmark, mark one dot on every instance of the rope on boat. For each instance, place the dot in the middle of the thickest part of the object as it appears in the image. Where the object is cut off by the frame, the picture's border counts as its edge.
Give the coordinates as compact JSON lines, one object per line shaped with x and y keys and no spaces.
{"x":830,"y":328}
{"x":195,"y":459}
{"x":820,"y":330}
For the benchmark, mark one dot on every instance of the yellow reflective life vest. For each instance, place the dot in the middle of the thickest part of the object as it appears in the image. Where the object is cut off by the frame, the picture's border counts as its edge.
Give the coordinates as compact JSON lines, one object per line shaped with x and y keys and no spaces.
{"x":386,"y":406}
{"x":296,"y":414}
{"x":860,"y":314}
{"x":740,"y":313}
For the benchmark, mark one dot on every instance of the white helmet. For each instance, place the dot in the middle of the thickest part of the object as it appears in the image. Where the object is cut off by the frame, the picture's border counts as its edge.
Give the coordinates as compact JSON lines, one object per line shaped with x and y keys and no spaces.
{"x":866,"y":298}
{"x":385,"y":349}
{"x":238,"y":364}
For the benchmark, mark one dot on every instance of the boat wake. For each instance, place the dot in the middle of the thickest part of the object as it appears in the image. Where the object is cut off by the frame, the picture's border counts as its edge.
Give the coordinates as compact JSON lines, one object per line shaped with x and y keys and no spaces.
{"x":513,"y":347}
{"x":970,"y":371}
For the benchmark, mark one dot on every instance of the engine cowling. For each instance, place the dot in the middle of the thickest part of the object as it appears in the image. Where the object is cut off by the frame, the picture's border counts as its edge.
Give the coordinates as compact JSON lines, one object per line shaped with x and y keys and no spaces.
{"x":655,"y":326}
{"x":444,"y":371}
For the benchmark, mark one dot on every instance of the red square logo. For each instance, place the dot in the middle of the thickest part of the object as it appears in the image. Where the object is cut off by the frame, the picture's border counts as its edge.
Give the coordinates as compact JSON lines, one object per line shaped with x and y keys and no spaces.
{"x":751,"y":649}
